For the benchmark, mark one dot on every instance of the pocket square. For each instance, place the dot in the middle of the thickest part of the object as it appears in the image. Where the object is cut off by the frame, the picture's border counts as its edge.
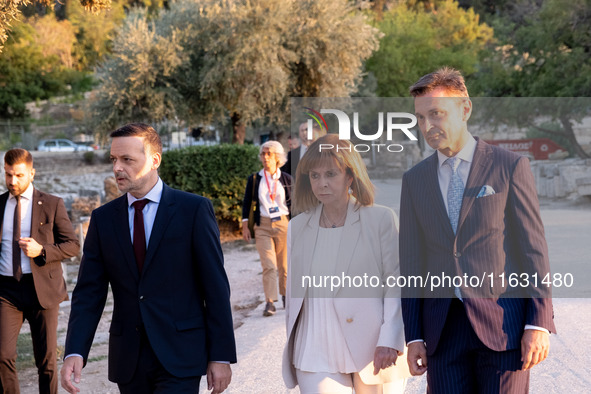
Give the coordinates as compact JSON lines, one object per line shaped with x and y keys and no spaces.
{"x":486,"y":191}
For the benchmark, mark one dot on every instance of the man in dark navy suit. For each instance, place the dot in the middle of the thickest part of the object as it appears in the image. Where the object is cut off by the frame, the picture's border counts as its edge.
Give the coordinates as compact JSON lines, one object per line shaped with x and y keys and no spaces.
{"x":470,"y":208}
{"x":159,"y":250}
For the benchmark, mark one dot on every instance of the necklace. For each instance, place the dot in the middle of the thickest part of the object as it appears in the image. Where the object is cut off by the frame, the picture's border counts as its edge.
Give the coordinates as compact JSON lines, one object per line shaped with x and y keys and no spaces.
{"x":329,"y":223}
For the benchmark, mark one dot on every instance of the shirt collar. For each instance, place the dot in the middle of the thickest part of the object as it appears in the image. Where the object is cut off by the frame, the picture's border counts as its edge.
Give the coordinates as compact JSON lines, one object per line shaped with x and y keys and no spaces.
{"x":275,"y":176}
{"x":28,"y":194}
{"x":466,"y":154}
{"x":153,"y":195}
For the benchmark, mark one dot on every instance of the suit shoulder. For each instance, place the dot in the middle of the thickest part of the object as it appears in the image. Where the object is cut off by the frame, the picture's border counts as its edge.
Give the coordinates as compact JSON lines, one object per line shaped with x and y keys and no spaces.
{"x":378,"y":210}
{"x":504,"y":154}
{"x":506,"y":159}
{"x":47,"y":196}
{"x":378,"y":213}
{"x":111,"y":204}
{"x":187,"y":198}
{"x":300,"y":220}
{"x":421,"y":168}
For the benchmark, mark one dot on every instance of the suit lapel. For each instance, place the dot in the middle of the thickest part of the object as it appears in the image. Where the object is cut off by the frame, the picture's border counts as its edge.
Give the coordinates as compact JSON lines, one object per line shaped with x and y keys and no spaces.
{"x":36,"y":210}
{"x":122,"y":232}
{"x":309,"y":238}
{"x":433,"y":189}
{"x":3,"y":200}
{"x":476,"y":178}
{"x":349,"y":238}
{"x":163,"y":216}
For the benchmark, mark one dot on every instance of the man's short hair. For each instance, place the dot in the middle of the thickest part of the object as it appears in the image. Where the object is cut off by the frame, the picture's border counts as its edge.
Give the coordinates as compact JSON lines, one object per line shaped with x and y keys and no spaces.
{"x":18,"y":156}
{"x":448,"y":78}
{"x":143,"y":130}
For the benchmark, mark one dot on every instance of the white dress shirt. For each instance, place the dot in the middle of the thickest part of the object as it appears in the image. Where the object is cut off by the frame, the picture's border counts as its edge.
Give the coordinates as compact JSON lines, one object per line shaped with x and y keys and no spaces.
{"x":303,"y":149}
{"x":149,"y":210}
{"x":265,"y":197}
{"x":444,"y":171}
{"x":7,"y":227}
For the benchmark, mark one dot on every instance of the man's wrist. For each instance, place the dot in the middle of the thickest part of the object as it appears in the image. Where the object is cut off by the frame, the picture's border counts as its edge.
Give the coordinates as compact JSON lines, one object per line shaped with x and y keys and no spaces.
{"x":73,"y":355}
{"x":537,"y":328}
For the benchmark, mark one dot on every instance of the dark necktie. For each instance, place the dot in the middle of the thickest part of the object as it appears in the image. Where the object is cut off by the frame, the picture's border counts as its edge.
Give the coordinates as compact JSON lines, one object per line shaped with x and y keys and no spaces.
{"x":139,"y":234}
{"x":17,"y":270}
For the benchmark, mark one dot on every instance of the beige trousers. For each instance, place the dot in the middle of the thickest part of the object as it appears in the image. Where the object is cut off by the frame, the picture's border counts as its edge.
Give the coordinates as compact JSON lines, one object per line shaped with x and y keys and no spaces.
{"x":271,"y":243}
{"x":343,"y":383}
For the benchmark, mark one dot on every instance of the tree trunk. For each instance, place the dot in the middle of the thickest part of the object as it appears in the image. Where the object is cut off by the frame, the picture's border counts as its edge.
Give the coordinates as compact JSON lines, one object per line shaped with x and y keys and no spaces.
{"x":238,"y":128}
{"x":378,"y":8}
{"x":569,"y":133}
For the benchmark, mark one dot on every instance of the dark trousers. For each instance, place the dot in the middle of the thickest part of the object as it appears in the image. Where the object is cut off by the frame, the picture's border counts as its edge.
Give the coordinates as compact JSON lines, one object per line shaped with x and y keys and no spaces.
{"x":462,"y":364}
{"x":151,"y":377}
{"x":18,"y":301}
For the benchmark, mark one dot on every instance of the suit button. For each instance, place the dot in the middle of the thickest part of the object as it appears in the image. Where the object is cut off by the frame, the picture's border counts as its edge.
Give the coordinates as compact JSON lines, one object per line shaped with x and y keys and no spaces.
{"x":141,"y":298}
{"x":349,"y":320}
{"x":457,"y":254}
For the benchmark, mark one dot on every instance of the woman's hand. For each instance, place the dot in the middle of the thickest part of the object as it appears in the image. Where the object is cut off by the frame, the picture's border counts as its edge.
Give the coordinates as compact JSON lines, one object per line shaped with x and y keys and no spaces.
{"x":383,"y":358}
{"x":245,"y":231}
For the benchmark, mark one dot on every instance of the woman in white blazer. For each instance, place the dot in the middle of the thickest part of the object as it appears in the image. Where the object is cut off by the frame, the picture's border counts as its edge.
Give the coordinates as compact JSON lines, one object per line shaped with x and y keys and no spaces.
{"x":344,"y":320}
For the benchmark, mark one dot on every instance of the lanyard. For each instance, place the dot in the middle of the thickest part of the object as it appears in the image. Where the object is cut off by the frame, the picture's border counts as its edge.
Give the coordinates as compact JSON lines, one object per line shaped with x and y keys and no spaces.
{"x":271,"y":195}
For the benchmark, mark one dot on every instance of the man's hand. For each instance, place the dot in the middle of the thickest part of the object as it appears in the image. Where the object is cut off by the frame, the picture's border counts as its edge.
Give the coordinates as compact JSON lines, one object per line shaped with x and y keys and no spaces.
{"x":417,"y":352}
{"x":72,"y":365}
{"x":31,"y":247}
{"x":383,"y":358}
{"x":535,"y":345}
{"x":219,"y":376}
{"x":245,"y":232}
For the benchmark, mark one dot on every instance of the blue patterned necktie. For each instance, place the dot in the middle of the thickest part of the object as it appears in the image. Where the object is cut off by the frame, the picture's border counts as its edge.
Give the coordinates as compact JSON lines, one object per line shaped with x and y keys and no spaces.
{"x":455,"y":192}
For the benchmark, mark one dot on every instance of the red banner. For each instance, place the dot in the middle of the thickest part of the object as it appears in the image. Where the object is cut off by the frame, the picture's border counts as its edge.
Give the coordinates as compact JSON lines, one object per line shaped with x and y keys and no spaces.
{"x":536,"y":148}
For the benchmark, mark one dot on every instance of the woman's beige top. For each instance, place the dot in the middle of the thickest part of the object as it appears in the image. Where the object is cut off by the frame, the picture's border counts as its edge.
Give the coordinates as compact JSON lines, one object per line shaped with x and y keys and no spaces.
{"x":320,"y":345}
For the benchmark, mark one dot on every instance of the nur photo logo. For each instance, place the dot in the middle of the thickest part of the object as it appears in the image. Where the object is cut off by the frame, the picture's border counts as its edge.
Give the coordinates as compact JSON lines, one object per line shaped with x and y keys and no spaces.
{"x":388,"y":123}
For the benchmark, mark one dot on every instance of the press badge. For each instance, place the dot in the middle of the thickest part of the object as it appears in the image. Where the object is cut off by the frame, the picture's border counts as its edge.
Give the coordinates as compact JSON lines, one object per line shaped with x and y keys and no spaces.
{"x":274,"y":214}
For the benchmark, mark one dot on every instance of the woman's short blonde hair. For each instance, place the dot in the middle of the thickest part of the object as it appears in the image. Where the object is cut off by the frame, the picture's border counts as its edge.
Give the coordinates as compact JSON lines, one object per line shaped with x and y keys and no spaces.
{"x":277,"y":148}
{"x":343,"y":154}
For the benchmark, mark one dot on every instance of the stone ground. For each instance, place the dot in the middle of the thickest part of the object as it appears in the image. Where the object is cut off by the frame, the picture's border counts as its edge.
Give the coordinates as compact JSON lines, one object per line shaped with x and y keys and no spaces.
{"x":260,"y":340}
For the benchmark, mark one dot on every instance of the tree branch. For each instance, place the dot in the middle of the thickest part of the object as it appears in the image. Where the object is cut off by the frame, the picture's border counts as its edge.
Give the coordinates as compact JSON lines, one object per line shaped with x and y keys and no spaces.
{"x":545,"y":130}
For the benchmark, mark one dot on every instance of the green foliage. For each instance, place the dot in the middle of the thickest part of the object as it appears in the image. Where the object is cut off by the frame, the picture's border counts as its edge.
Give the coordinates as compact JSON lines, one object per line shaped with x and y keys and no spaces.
{"x":94,"y":32}
{"x":89,"y":158}
{"x":216,"y":172}
{"x":548,"y":54}
{"x":205,"y":60}
{"x":417,"y":41}
{"x":136,"y":80}
{"x":10,"y":11}
{"x":31,"y":69}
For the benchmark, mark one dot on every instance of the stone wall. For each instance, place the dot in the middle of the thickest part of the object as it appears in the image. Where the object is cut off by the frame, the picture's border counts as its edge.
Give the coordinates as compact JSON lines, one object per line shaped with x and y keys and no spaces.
{"x":563,"y":179}
{"x":67,"y":175}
